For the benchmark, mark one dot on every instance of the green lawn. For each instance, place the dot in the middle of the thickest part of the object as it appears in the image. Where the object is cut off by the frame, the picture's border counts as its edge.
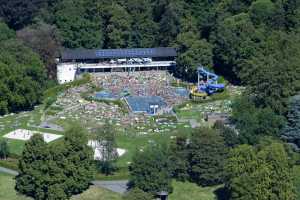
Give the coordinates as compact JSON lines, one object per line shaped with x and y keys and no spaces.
{"x":130,"y":139}
{"x":96,"y":193}
{"x":7,"y":191}
{"x":182,"y":191}
{"x":24,"y":120}
{"x":191,"y":191}
{"x":297,"y":181}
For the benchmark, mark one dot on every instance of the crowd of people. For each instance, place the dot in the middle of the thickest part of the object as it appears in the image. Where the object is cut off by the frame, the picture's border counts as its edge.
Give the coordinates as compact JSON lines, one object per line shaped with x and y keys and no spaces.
{"x":145,"y":83}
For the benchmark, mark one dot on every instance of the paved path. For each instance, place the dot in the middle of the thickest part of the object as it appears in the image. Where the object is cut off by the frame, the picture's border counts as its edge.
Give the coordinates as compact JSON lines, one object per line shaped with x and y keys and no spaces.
{"x":8,"y":171}
{"x":115,"y":186}
{"x":49,"y":125}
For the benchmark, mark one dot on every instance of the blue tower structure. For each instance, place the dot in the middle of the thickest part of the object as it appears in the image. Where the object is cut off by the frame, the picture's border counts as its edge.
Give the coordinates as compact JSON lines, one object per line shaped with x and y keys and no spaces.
{"x":208,"y":81}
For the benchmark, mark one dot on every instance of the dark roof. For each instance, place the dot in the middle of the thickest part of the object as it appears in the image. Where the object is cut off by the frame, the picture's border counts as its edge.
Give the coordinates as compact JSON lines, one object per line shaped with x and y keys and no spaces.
{"x":118,"y":53}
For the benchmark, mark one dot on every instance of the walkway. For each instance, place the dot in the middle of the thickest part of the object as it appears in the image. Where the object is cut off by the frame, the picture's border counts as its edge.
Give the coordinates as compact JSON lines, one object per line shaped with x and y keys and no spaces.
{"x":115,"y":186}
{"x":119,"y":186}
{"x":8,"y":171}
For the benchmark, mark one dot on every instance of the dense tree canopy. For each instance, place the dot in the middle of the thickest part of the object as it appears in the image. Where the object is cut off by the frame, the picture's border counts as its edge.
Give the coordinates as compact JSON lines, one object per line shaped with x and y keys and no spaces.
{"x":22,"y":74}
{"x":150,"y":170}
{"x":207,"y":156}
{"x":77,"y":162}
{"x":45,"y":41}
{"x":18,"y":13}
{"x":253,"y":123}
{"x":34,"y":167}
{"x":119,"y":33}
{"x":79,"y":26}
{"x":246,"y":41}
{"x":291,"y":132}
{"x":58,"y":171}
{"x":179,"y":158}
{"x":193,"y":53}
{"x":254,"y":43}
{"x":259,"y":173}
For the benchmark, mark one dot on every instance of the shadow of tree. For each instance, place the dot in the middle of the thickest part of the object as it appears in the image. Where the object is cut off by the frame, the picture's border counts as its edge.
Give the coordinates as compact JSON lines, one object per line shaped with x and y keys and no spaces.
{"x":222,"y":193}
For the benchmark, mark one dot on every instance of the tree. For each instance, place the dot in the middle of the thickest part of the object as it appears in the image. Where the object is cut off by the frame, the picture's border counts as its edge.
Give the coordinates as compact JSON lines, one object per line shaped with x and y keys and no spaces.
{"x":118,"y":31}
{"x":259,"y":174}
{"x":192,"y":53}
{"x":169,"y":24}
{"x":150,"y":170}
{"x":44,"y":40}
{"x":21,"y":88}
{"x":291,"y":131}
{"x":230,"y":136}
{"x":34,"y":176}
{"x":5,"y":32}
{"x":273,"y":75}
{"x":105,"y":139}
{"x":58,"y":171}
{"x":207,"y":156}
{"x":204,"y":12}
{"x":253,"y":123}
{"x":19,"y":13}
{"x":4,"y":150}
{"x":79,"y":26}
{"x":77,"y":164}
{"x":262,"y":11}
{"x":137,"y":194}
{"x":235,"y":40}
{"x":178,"y":157}
{"x":144,"y":29}
{"x":292,"y":14}
{"x":56,"y":192}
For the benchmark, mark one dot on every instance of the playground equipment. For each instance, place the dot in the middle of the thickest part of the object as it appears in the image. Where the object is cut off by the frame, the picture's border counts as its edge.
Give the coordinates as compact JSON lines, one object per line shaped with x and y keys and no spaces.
{"x":207,"y":84}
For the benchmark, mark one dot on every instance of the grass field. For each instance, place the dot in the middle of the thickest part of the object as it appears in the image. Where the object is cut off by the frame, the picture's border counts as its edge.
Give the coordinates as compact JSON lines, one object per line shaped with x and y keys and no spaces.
{"x":191,"y":191}
{"x":297,"y":181}
{"x":130,"y":139}
{"x":96,"y":193}
{"x":182,"y":191}
{"x":7,"y":191}
{"x":24,"y":120}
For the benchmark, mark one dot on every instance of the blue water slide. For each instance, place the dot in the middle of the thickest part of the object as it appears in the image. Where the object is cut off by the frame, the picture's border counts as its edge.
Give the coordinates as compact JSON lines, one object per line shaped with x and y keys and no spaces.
{"x":211,"y":86}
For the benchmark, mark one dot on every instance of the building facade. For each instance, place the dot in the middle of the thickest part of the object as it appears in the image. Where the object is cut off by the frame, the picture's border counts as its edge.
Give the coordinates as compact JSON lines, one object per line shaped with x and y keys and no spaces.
{"x":75,"y":62}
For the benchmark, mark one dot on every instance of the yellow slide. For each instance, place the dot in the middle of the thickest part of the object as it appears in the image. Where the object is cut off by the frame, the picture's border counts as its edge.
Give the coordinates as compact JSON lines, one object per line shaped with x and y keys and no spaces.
{"x":195,"y":93}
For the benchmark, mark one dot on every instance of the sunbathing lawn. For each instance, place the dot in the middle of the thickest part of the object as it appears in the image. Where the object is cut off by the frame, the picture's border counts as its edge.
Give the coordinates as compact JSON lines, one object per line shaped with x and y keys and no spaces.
{"x":297,"y":181}
{"x":182,"y":191}
{"x":7,"y":192}
{"x":191,"y":191}
{"x":96,"y":193}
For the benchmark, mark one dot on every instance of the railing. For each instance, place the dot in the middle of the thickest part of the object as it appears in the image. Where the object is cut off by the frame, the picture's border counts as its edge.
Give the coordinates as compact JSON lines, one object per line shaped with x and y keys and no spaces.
{"x":126,"y":65}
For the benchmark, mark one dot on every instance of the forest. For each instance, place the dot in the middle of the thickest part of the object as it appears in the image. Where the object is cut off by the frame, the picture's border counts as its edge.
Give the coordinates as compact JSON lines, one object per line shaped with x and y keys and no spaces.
{"x":250,"y":43}
{"x":254,"y":43}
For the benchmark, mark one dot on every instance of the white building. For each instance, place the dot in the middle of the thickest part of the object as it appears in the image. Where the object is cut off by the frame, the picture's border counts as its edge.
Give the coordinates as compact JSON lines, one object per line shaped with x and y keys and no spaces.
{"x":74,"y":62}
